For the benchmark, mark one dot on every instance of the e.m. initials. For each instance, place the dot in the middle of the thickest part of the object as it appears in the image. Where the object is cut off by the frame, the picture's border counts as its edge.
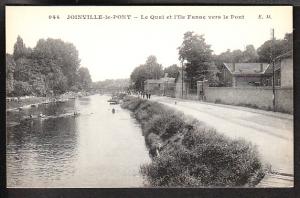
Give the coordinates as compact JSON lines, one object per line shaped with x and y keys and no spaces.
{"x":260,"y":16}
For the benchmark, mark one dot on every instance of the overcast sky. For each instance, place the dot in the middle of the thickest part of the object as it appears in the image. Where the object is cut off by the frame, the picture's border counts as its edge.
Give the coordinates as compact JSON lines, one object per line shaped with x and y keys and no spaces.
{"x":112,"y":48}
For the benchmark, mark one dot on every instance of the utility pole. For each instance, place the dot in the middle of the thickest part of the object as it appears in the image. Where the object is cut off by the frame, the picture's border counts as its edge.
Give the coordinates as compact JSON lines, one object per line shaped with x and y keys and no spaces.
{"x":273,"y":67}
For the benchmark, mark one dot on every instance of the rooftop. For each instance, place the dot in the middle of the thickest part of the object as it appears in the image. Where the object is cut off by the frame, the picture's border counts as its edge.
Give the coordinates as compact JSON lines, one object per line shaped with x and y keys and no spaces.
{"x":247,"y":68}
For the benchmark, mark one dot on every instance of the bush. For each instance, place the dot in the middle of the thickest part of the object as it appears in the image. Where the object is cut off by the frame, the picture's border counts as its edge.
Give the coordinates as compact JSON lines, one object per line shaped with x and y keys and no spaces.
{"x":22,"y":88}
{"x":190,"y":153}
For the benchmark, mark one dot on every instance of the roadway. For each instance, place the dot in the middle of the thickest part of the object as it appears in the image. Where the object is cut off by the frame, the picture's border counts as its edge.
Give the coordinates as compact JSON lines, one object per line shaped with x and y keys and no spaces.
{"x":272,"y":132}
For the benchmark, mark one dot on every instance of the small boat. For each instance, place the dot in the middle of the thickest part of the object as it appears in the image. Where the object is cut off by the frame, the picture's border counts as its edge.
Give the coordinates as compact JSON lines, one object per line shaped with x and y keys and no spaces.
{"x":114,"y":100}
{"x":42,"y":115}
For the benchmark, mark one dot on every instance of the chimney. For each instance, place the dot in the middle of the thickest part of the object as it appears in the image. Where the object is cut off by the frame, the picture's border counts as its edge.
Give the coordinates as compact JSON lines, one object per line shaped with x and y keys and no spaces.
{"x":261,"y":67}
{"x":233,"y":67}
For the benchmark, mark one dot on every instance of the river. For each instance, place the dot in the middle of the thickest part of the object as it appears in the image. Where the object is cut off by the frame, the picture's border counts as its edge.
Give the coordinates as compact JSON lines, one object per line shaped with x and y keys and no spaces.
{"x":94,"y":149}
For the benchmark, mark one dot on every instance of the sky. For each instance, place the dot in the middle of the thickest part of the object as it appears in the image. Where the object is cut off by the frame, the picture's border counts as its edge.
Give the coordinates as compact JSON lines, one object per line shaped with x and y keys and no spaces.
{"x":112,"y":47}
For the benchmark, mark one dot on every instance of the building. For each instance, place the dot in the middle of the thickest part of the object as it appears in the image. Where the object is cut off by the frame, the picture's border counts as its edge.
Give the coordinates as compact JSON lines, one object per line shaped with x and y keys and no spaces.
{"x":245,"y":74}
{"x":184,"y":90}
{"x":164,"y":86}
{"x":284,"y":70}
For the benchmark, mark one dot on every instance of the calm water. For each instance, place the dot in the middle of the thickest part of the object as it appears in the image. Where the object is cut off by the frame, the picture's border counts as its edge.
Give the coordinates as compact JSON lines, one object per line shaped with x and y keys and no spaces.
{"x":95,"y":149}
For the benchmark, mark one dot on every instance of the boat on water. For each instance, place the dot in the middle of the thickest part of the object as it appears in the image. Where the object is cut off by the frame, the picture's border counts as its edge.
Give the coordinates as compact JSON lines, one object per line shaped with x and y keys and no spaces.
{"x":114,"y":100}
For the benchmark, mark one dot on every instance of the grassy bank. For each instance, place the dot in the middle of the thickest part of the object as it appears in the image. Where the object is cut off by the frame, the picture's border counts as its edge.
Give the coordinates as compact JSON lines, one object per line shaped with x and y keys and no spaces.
{"x":187,"y":153}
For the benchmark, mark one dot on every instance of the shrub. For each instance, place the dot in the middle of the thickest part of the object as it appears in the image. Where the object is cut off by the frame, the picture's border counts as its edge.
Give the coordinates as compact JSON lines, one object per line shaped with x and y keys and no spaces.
{"x":192,"y":154}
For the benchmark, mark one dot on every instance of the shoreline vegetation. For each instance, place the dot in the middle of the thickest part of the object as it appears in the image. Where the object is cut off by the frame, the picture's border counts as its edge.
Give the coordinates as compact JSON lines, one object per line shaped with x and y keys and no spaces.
{"x":187,"y":153}
{"x":13,"y":103}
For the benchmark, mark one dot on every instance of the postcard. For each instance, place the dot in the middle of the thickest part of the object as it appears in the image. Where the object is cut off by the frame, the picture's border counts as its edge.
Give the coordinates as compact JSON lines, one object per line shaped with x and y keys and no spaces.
{"x":149,"y":96}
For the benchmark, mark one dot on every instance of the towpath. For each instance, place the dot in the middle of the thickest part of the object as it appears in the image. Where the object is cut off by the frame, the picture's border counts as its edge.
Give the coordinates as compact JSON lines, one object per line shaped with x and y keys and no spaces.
{"x":272,"y":132}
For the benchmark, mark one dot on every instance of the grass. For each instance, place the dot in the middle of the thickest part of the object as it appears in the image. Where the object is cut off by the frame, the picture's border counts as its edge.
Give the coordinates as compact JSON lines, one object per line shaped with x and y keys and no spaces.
{"x":190,"y":153}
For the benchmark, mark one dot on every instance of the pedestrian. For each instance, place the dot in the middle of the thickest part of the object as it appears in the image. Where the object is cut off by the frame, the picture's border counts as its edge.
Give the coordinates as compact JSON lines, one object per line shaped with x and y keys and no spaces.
{"x":149,"y":95}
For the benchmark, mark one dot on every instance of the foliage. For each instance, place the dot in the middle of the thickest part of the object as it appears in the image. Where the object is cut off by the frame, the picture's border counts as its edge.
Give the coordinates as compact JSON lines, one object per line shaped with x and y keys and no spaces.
{"x":111,"y":85}
{"x":190,"y":153}
{"x":172,"y":71}
{"x":150,"y":70}
{"x":197,"y":54}
{"x":84,"y":78}
{"x":58,"y":54}
{"x":249,"y":55}
{"x":277,"y":47}
{"x":50,"y":67}
{"x":20,"y":49}
{"x":10,"y":68}
{"x":22,"y":88}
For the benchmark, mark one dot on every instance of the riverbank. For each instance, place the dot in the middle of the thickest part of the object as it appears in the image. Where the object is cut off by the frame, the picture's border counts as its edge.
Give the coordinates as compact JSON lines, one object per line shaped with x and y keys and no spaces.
{"x":187,"y":153}
{"x":26,"y":101}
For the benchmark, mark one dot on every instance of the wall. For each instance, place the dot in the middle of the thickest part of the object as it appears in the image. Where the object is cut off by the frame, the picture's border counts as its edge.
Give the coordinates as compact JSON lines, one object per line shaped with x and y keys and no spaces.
{"x":260,"y":97}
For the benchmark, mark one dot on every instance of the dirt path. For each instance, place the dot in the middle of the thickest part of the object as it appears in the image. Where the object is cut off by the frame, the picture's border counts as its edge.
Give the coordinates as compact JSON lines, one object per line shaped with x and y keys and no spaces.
{"x":271,"y":132}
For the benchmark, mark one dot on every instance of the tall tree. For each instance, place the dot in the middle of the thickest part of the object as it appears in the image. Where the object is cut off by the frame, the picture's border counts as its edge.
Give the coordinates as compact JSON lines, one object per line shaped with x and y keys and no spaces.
{"x":53,"y":54}
{"x":84,"y":78}
{"x":138,"y":76}
{"x":288,"y":40}
{"x":197,"y":54}
{"x":172,"y":71}
{"x":250,"y":54}
{"x":150,"y":70}
{"x":278,"y":46}
{"x":20,"y":50}
{"x":153,"y":69}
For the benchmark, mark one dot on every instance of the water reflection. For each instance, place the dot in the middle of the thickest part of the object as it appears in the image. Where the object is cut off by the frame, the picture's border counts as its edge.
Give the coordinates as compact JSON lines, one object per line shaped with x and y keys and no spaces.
{"x":94,"y":149}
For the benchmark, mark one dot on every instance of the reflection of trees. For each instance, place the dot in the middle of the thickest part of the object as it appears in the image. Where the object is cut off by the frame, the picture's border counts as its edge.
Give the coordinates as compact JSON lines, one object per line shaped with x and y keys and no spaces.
{"x":44,"y":150}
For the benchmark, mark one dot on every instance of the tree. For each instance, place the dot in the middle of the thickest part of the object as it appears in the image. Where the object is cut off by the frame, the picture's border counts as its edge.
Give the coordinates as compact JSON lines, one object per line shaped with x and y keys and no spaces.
{"x":250,"y":54}
{"x":20,"y":49}
{"x":264,"y":51}
{"x":172,"y":71}
{"x":54,"y":53}
{"x":52,"y":66}
{"x":138,"y":76}
{"x":197,"y":54}
{"x":150,"y":70}
{"x":153,"y":69}
{"x":279,"y":47}
{"x":288,"y":40}
{"x":84,"y":78}
{"x":22,"y":88}
{"x":56,"y":82}
{"x":10,"y":68}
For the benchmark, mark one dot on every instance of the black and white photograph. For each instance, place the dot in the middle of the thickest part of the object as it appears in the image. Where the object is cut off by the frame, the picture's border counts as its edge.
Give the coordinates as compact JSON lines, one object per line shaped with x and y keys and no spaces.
{"x":149,"y":96}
